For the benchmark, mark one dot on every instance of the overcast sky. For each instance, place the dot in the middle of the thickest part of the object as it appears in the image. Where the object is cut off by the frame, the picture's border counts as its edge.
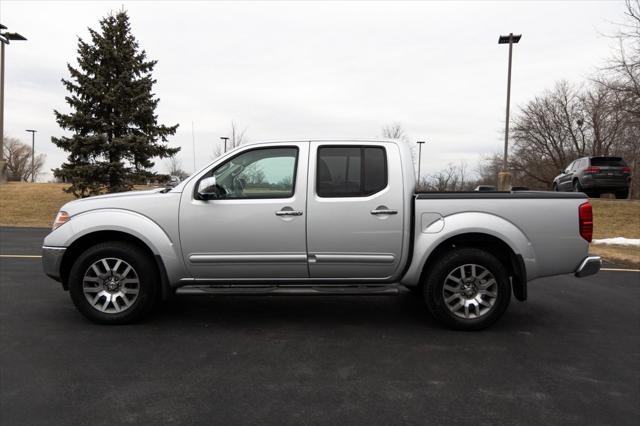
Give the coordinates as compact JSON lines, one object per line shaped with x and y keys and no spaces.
{"x":302,"y":70}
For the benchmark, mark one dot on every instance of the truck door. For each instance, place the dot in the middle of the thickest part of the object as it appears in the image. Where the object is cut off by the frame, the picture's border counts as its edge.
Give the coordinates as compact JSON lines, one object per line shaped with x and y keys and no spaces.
{"x":354,"y":210}
{"x":254,"y":227}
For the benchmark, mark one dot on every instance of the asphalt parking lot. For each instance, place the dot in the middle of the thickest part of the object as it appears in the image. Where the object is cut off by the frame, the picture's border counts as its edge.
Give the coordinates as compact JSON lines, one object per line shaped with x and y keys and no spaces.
{"x":571,"y":354}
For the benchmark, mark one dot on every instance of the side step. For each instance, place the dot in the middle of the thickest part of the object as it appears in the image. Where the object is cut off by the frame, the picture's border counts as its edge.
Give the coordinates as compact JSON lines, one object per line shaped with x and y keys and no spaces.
{"x":290,"y":290}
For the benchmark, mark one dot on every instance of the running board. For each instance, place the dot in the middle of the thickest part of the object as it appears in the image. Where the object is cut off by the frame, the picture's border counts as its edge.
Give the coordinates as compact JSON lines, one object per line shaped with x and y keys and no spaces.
{"x":288,"y":290}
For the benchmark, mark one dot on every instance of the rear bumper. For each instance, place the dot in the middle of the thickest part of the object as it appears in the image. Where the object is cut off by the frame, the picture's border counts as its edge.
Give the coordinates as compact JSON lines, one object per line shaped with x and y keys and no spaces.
{"x":589,"y":266}
{"x":51,"y":261}
{"x":600,"y":183}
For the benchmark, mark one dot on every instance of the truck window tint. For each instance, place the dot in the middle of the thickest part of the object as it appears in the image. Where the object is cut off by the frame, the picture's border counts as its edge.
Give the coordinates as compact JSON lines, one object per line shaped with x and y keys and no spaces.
{"x":354,"y":171}
{"x":608,"y":162}
{"x":260,"y":173}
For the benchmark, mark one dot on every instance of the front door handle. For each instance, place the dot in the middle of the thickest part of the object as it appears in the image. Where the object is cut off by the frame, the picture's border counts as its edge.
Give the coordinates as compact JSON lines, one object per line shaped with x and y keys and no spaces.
{"x":383,"y":211}
{"x":289,"y":213}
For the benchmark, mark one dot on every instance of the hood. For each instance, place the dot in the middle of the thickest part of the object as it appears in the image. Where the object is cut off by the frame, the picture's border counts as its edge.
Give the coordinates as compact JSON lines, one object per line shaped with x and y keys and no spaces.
{"x":120,"y":194}
{"x":117,"y":200}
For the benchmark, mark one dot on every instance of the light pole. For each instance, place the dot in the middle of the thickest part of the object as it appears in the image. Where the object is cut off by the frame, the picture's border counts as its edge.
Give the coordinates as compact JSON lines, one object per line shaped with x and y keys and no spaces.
{"x":419,"y":158}
{"x":504,"y":177}
{"x":225,"y":139}
{"x":5,"y":37}
{"x":33,"y":150}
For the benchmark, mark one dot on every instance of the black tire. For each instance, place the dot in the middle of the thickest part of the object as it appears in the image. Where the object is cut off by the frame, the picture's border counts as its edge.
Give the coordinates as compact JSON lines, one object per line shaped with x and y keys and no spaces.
{"x":622,"y":195}
{"x":576,"y":186}
{"x":145,"y":273}
{"x":555,"y":187}
{"x":434,"y":292}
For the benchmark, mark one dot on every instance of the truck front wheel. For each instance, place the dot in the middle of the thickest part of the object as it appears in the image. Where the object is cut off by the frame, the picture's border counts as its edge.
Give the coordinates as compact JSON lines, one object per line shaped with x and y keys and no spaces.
{"x":467,"y":289}
{"x":113,"y":283}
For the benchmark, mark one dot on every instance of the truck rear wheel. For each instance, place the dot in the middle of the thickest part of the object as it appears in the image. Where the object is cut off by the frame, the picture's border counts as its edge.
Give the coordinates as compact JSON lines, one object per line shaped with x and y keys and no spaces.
{"x":467,"y":289}
{"x":113,"y":283}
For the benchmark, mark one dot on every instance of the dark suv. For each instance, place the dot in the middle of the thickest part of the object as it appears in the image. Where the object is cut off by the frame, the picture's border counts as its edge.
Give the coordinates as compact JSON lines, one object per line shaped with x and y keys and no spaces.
{"x":595,"y":176}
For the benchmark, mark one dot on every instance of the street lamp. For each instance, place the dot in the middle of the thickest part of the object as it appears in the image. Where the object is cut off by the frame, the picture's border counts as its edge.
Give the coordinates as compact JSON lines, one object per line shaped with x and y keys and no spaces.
{"x":504,"y":178}
{"x":5,"y":37}
{"x":419,"y":158}
{"x":225,"y":139}
{"x":33,"y":150}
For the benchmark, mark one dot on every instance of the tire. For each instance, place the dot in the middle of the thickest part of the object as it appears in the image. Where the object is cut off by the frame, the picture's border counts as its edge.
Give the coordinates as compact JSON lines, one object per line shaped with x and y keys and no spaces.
{"x":622,"y":195}
{"x":555,"y":187}
{"x":576,"y":186}
{"x":121,"y":280}
{"x":439,"y":286}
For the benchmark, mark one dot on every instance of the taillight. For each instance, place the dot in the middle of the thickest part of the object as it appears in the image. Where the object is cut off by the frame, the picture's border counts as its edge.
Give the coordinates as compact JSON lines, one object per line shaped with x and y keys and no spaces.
{"x":585,"y":215}
{"x":626,"y":170}
{"x":592,"y":170}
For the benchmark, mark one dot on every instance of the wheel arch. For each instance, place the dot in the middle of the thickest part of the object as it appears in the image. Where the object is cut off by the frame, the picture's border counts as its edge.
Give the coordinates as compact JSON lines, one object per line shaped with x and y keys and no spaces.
{"x":92,"y":238}
{"x":513,"y":263}
{"x":100,"y":225}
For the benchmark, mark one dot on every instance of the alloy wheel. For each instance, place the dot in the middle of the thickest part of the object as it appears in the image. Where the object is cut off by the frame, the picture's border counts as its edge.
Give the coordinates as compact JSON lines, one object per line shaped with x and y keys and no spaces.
{"x":470,"y":291}
{"x":111,"y":285}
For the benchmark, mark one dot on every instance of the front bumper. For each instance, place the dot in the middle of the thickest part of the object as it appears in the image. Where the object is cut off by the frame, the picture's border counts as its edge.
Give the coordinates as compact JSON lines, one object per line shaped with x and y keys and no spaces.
{"x":51,"y":261}
{"x":589,"y":266}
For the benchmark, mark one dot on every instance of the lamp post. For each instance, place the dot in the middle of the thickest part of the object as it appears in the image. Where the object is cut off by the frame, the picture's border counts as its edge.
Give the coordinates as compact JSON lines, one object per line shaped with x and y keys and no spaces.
{"x":33,"y":150}
{"x":419,"y":158}
{"x":225,"y":139}
{"x":504,"y":177}
{"x":5,"y":37}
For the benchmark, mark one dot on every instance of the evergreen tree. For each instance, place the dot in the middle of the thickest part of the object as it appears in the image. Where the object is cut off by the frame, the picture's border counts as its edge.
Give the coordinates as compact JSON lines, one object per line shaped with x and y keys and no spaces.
{"x":115,"y":128}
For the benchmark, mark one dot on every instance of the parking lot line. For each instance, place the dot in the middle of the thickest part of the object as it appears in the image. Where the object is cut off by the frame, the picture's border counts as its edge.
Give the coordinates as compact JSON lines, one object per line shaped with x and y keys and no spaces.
{"x":619,"y":270}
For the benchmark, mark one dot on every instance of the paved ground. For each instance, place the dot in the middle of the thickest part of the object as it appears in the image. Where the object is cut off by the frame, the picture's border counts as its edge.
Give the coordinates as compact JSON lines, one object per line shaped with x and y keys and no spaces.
{"x":571,"y":354}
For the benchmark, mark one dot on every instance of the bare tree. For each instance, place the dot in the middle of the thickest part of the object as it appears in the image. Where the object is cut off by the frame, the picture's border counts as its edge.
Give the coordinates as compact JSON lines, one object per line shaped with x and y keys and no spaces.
{"x":622,"y":73}
{"x":237,"y":137}
{"x":18,"y":156}
{"x":174,"y":167}
{"x":454,"y":177}
{"x":561,"y":125}
{"x":396,"y":131}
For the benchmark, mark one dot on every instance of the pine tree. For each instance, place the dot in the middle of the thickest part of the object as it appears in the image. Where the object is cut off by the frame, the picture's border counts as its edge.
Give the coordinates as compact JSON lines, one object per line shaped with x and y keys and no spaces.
{"x":113,"y":121}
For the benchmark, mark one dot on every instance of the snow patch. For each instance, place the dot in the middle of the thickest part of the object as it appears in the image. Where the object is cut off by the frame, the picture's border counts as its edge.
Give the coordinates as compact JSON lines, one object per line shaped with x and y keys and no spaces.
{"x":619,"y":241}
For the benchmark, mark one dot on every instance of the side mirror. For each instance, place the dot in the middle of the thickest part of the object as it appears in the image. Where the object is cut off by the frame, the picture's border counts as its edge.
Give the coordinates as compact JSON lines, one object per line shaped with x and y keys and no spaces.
{"x":208,"y":189}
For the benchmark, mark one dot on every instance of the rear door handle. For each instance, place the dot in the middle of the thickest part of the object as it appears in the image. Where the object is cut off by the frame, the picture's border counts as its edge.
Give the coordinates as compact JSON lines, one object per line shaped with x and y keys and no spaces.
{"x":289,"y":213}
{"x":384,"y":211}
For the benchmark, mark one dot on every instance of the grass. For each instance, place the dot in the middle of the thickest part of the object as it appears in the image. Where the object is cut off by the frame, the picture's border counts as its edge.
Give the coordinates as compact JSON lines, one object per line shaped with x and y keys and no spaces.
{"x":31,"y":204}
{"x":616,"y":218}
{"x":36,"y":204}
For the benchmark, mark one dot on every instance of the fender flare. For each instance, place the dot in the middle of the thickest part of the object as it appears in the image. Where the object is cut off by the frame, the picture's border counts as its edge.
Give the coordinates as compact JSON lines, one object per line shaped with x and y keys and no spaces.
{"x":458,"y":224}
{"x":165,"y":251}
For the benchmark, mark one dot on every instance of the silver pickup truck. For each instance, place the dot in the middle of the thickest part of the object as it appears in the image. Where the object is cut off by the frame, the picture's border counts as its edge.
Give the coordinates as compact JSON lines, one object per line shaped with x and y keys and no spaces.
{"x":316,"y":217}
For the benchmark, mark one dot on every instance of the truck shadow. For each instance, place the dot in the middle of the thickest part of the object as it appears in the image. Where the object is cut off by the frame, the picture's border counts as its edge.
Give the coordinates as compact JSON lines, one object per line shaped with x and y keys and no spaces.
{"x":404,"y":310}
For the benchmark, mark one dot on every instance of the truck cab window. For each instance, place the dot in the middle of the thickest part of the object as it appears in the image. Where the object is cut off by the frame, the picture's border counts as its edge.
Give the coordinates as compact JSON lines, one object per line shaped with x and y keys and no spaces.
{"x":259,"y":173}
{"x":353,"y":171}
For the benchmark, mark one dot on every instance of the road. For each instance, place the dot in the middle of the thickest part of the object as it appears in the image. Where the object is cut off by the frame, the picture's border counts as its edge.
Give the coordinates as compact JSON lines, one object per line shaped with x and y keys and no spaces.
{"x":571,"y":354}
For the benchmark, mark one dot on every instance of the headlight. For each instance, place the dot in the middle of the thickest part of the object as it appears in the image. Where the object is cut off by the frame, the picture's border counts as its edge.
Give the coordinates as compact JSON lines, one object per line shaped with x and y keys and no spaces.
{"x":61,"y":218}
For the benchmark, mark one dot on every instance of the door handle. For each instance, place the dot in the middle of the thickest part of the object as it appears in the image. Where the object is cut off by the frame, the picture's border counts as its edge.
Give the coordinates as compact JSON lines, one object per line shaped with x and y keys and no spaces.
{"x":289,"y":213}
{"x":384,"y":211}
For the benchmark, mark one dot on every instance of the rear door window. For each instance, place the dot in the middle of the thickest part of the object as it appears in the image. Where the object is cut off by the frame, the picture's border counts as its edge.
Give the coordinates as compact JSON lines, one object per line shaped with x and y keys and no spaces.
{"x":350,"y":171}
